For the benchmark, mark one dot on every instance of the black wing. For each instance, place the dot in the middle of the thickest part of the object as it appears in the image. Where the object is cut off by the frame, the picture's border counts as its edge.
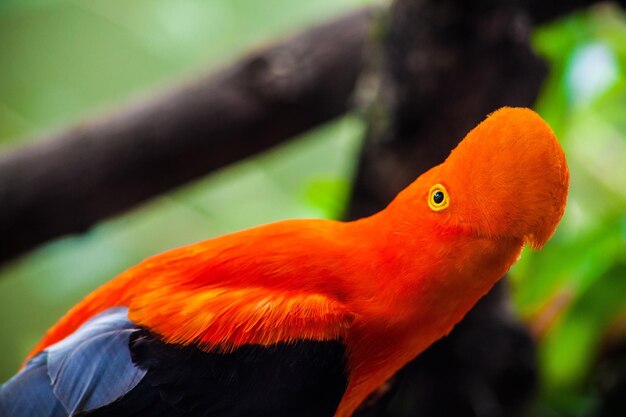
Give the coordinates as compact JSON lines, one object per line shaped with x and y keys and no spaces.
{"x":305,"y":379}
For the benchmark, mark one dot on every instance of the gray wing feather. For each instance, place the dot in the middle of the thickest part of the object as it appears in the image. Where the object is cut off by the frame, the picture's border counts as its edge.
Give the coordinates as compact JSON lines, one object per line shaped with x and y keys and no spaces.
{"x":85,"y":371}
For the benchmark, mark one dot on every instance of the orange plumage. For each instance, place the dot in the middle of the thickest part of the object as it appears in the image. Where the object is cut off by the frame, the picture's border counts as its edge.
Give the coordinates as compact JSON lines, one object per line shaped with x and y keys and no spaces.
{"x":388,"y":285}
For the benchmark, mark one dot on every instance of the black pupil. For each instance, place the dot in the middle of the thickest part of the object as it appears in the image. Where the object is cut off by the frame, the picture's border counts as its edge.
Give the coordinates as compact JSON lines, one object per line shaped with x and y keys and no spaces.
{"x":438,"y":197}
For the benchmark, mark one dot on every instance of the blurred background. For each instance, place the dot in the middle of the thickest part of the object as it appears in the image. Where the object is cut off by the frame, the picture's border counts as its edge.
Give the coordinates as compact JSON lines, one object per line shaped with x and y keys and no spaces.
{"x":64,"y":60}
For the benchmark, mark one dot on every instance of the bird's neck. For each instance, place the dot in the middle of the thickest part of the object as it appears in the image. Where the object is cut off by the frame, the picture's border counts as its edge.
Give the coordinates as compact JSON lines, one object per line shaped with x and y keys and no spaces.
{"x":404,"y":281}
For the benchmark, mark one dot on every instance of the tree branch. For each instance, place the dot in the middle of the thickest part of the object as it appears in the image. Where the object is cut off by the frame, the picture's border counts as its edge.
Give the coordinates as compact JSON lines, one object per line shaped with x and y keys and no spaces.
{"x":542,"y":11}
{"x":66,"y":183}
{"x":442,"y":66}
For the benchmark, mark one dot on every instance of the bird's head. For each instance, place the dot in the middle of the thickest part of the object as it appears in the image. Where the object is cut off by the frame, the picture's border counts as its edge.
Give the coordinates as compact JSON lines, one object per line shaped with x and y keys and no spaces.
{"x":508,"y":179}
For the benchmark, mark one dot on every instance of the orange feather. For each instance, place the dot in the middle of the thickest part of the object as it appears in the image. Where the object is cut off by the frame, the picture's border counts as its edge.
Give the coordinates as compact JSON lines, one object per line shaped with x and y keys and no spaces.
{"x":389,"y":285}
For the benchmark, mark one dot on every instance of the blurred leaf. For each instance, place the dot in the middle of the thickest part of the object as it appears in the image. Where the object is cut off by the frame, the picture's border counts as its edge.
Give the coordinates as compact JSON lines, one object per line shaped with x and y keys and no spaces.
{"x":329,"y":195}
{"x":574,"y":290}
{"x":569,"y":351}
{"x":591,"y":70}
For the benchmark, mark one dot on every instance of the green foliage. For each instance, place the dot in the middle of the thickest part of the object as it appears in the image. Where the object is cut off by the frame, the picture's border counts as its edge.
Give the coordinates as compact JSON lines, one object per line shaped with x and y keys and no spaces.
{"x":573,"y":291}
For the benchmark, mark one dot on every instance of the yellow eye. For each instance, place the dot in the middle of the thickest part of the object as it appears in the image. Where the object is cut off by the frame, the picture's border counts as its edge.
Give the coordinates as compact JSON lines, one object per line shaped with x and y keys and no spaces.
{"x":438,"y":198}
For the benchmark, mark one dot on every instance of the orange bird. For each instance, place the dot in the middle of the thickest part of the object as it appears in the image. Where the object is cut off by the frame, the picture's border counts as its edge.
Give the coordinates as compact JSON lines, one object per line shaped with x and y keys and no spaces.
{"x":303,"y":317}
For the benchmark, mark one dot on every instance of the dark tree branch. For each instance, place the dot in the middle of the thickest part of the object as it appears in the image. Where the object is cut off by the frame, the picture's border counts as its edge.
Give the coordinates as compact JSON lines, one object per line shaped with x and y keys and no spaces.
{"x":441,"y":67}
{"x":66,"y":183}
{"x":542,"y":11}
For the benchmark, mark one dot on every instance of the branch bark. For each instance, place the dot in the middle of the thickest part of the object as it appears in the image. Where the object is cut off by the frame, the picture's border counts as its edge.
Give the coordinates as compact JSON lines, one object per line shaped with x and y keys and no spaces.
{"x":440,"y":68}
{"x":542,"y":11}
{"x":67,"y":182}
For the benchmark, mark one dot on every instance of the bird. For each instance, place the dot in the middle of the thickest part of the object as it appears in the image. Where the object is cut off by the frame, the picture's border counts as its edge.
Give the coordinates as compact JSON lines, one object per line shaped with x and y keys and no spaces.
{"x":303,"y":317}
